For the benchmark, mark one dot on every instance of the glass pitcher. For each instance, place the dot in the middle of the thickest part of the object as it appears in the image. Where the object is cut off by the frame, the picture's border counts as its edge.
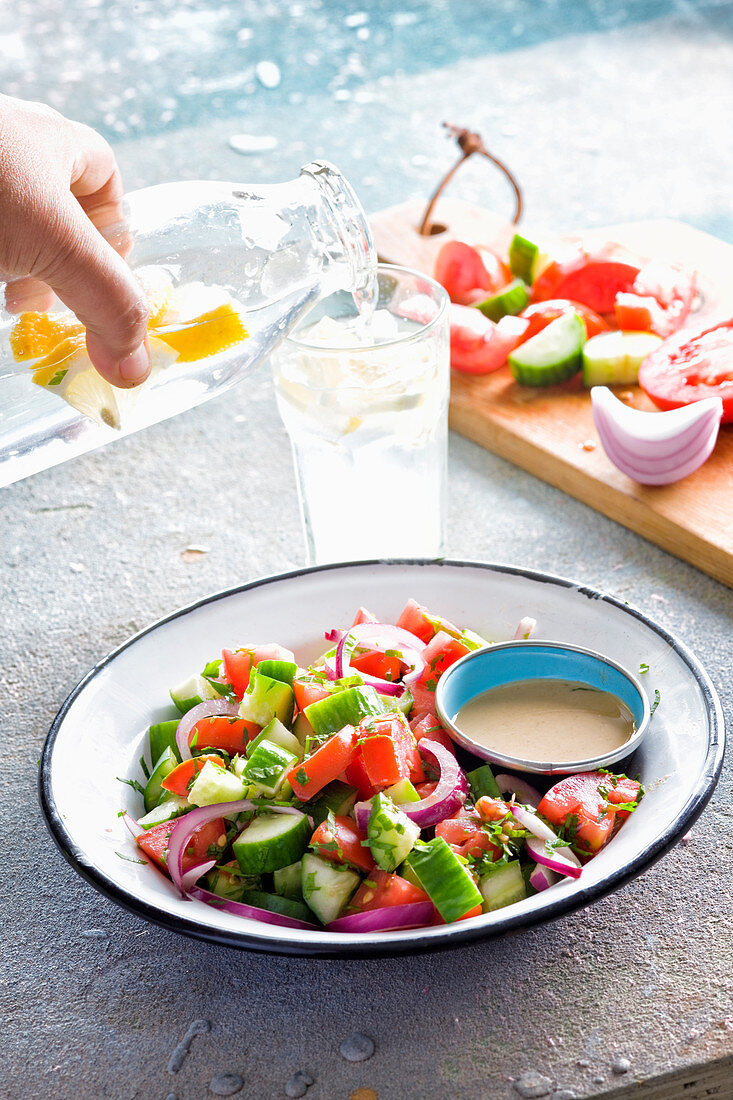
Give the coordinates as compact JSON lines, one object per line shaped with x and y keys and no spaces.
{"x":228,"y":269}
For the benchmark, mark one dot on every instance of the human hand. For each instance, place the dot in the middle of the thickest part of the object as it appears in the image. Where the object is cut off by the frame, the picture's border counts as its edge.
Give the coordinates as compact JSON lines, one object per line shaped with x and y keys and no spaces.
{"x":60,"y":184}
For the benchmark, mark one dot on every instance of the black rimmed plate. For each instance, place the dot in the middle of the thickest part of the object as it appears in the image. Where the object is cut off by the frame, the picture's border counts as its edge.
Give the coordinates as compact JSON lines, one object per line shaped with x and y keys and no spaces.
{"x":100,"y":731}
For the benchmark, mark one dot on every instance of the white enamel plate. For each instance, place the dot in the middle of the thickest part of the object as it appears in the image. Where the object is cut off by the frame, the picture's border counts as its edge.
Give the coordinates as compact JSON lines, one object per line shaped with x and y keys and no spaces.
{"x":100,"y":731}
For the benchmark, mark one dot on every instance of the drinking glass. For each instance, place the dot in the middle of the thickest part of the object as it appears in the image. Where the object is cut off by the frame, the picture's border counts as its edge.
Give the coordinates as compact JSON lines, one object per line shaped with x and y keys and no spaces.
{"x":364,"y":396}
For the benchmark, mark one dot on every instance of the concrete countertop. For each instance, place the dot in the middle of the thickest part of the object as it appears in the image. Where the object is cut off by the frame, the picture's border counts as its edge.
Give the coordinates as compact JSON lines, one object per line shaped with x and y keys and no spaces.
{"x":631,"y":997}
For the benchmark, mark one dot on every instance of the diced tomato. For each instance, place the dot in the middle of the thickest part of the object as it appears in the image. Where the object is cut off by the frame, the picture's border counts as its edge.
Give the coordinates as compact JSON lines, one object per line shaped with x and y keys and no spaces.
{"x":426,"y":789}
{"x":468,"y":274}
{"x":308,"y":690}
{"x":479,"y":345}
{"x":659,"y":301}
{"x":586,"y":798}
{"x":378,"y":664}
{"x":417,"y":620}
{"x":383,"y":888}
{"x":324,"y":765}
{"x":475,"y":912}
{"x":625,"y":790}
{"x":238,"y":663}
{"x":593,"y":279}
{"x":540,"y":314}
{"x":364,"y":616}
{"x":429,"y":726}
{"x":387,"y":748}
{"x":154,"y":842}
{"x":356,"y":776}
{"x":690,"y":366}
{"x":179,"y":780}
{"x":465,"y":835}
{"x":439,"y":654}
{"x":341,"y":842}
{"x":229,"y":734}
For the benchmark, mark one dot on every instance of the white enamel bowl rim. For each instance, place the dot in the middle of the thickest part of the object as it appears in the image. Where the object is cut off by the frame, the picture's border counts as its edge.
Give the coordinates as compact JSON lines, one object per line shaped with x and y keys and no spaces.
{"x":87,"y":831}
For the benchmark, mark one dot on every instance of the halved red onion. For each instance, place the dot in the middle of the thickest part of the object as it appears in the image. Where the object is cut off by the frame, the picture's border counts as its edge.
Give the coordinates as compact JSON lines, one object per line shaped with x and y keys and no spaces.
{"x":542,"y":878}
{"x":187,"y":825}
{"x":131,"y":824}
{"x":523,"y":791}
{"x":525,"y":628}
{"x":252,"y":912}
{"x":557,"y":860}
{"x":362,"y":811}
{"x":210,"y":708}
{"x":414,"y":914}
{"x":450,"y":793}
{"x":535,"y":825}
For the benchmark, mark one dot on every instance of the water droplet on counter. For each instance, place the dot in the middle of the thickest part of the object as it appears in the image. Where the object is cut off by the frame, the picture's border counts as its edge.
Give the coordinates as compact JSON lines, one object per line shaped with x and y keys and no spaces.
{"x":249,"y":144}
{"x":268,"y":74}
{"x":563,"y":1094}
{"x":532,"y":1085}
{"x":171,"y":1096}
{"x":620,"y":1065}
{"x":298,"y":1084}
{"x":357,"y":1048}
{"x":95,"y":933}
{"x":225,"y":1084}
{"x":197,"y":1027}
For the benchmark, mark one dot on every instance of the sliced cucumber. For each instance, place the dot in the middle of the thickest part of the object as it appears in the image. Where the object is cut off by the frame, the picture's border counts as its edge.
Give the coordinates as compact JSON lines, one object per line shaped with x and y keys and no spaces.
{"x":271,"y":841}
{"x":288,"y":881}
{"x":284,"y":671}
{"x":473,"y":640}
{"x":403,"y":791}
{"x":266,"y":766}
{"x":192,"y":692}
{"x":523,"y":255}
{"x":276,"y":732}
{"x":230,"y":884}
{"x":390,"y":832}
{"x":502,"y":885}
{"x":266,"y":699}
{"x":510,"y":300}
{"x":337,"y":798}
{"x":445,"y":878}
{"x":173,"y":806}
{"x":215,"y":784}
{"x":402,"y":702}
{"x":302,"y":729}
{"x":327,"y":887}
{"x":553,"y":355}
{"x":164,"y":765}
{"x":345,"y":708}
{"x":614,"y":358}
{"x":163,"y":736}
{"x":481,"y":781}
{"x":274,"y":903}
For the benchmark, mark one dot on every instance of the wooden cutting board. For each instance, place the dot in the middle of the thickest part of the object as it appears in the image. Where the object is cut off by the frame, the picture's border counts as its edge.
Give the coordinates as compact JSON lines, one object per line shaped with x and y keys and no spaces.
{"x":550,"y":432}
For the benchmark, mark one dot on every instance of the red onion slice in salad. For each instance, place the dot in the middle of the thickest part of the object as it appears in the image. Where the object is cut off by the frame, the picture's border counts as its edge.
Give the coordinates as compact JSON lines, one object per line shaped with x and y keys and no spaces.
{"x":376,"y":636}
{"x":131,"y":824}
{"x":252,"y":912}
{"x":362,"y":812}
{"x":190,"y":878}
{"x":542,"y":832}
{"x":186,"y":826}
{"x":525,"y":628}
{"x":211,"y":708}
{"x":542,"y":878}
{"x":558,"y":860}
{"x":414,"y":914}
{"x":523,"y":791}
{"x":450,"y":792}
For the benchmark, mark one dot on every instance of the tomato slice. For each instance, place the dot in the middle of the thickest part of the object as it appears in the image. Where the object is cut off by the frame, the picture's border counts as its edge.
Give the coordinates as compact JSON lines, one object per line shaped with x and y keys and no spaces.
{"x":154,"y":842}
{"x":180,"y":779}
{"x":385,"y":888}
{"x":588,"y":798}
{"x":324,"y":765}
{"x":478,"y":345}
{"x":421,"y":622}
{"x":229,"y":734}
{"x":465,"y":835}
{"x":540,"y":314}
{"x":659,"y":301}
{"x":594,"y":282}
{"x":462,"y":270}
{"x":341,"y":842}
{"x":690,"y":366}
{"x":439,"y":654}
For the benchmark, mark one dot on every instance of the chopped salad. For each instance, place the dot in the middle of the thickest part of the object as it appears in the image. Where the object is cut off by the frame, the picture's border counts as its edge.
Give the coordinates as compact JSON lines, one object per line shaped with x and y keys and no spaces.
{"x":330,"y":796}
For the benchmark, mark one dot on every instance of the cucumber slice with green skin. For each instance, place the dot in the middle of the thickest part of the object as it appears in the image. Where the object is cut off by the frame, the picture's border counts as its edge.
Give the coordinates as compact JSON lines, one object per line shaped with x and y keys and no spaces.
{"x":274,"y":903}
{"x":266,"y":699}
{"x":192,"y":692}
{"x":481,"y":782}
{"x":403,"y":791}
{"x":445,"y":879}
{"x":553,"y":355}
{"x":284,"y":671}
{"x":502,"y":886}
{"x":390,"y":832}
{"x":327,"y":887}
{"x":163,"y":736}
{"x":522,"y":257}
{"x":172,"y":806}
{"x":337,"y":798}
{"x":614,"y":358}
{"x":266,"y":766}
{"x":164,"y":765}
{"x":215,"y":784}
{"x":302,"y":729}
{"x":406,"y":872}
{"x":510,"y":300}
{"x":345,"y":708}
{"x":276,"y":732}
{"x":271,"y":841}
{"x":398,"y":702}
{"x":473,"y":640}
{"x":288,"y":881}
{"x":230,"y":884}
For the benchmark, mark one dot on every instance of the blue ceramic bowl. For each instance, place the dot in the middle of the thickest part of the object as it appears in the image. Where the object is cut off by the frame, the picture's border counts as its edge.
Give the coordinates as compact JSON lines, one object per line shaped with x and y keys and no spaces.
{"x":509,"y":662}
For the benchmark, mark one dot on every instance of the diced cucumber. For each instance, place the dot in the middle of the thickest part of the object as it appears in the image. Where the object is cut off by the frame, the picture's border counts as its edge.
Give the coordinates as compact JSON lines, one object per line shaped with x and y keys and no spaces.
{"x":553,"y":355}
{"x":215,"y":784}
{"x":508,"y":301}
{"x":391,"y":833}
{"x":327,"y":887}
{"x":284,"y":671}
{"x":266,"y":766}
{"x":302,"y":728}
{"x":230,"y":884}
{"x":473,"y":640}
{"x":402,"y":791}
{"x":502,"y":885}
{"x":192,"y":692}
{"x":614,"y":358}
{"x":345,"y":708}
{"x":276,"y":732}
{"x":406,"y":872}
{"x":523,"y":256}
{"x":402,"y":702}
{"x":337,"y":798}
{"x":173,"y":806}
{"x":271,"y":841}
{"x":481,"y":781}
{"x":164,"y":765}
{"x":288,"y":881}
{"x":274,"y":903}
{"x":266,"y":699}
{"x":445,"y":878}
{"x":161,"y":736}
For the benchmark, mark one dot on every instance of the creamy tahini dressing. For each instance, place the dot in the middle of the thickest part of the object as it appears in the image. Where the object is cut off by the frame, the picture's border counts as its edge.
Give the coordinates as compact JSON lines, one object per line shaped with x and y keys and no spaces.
{"x":547,"y":720}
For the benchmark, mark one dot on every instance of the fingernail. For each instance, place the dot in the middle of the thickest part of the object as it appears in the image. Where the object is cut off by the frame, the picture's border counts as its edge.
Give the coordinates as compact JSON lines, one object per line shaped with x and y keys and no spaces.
{"x":135,"y":367}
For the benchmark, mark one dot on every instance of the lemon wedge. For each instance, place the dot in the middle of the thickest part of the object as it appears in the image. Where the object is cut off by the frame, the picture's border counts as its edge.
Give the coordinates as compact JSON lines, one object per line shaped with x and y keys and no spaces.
{"x":207,"y":334}
{"x":36,"y":334}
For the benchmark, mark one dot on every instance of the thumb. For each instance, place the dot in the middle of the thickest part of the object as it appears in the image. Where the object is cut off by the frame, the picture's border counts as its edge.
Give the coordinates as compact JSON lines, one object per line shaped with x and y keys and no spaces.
{"x":95,"y":282}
